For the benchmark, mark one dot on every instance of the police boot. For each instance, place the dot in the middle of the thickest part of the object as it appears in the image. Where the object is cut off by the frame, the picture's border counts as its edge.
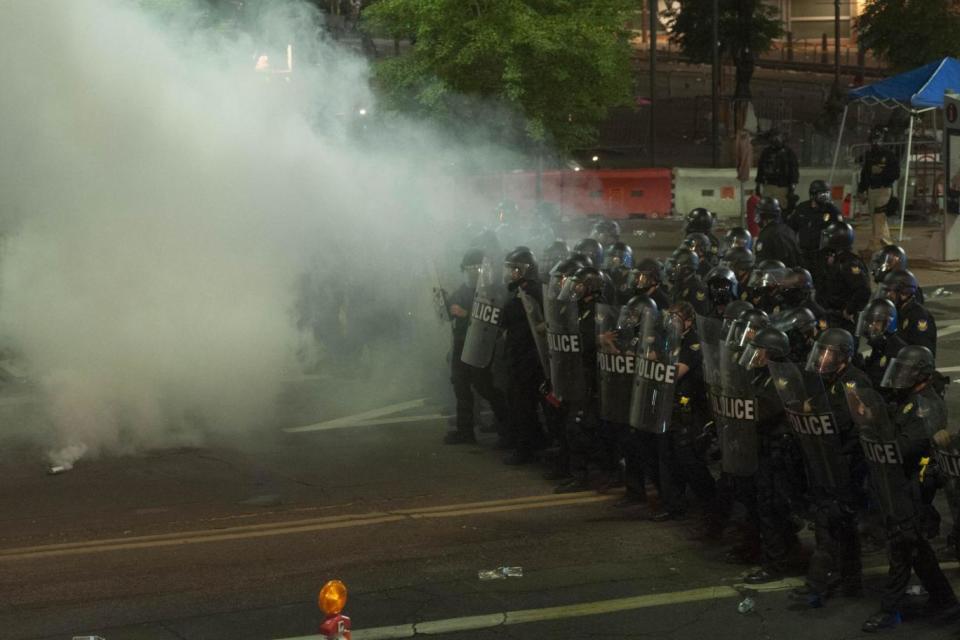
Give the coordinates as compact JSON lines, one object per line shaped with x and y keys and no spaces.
{"x":880,"y":621}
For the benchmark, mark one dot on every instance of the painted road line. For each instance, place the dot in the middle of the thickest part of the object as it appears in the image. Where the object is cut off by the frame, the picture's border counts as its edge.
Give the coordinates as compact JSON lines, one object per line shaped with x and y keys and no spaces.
{"x":274,"y":529}
{"x":954,"y":328}
{"x":430,"y":417}
{"x":350,"y":421}
{"x":579,"y":610}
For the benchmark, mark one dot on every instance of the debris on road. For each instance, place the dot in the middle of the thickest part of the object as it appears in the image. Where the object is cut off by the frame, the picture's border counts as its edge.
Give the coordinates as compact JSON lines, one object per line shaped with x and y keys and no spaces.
{"x":500,"y":573}
{"x":941,"y":291}
{"x":746,"y":605}
{"x":57,"y":469}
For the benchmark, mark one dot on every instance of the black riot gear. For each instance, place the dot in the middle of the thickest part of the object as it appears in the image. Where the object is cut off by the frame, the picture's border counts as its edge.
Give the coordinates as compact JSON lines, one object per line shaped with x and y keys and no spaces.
{"x":740,"y":259}
{"x":913,"y":365}
{"x":519,"y":265}
{"x":648,"y":274}
{"x":591,"y":249}
{"x":722,"y":285}
{"x":838,"y":236}
{"x":831,"y":352}
{"x":746,"y":326}
{"x":557,"y":251}
{"x":738,"y":237}
{"x":470,"y":265}
{"x":796,"y":288}
{"x":900,"y":285}
{"x":699,"y":243}
{"x":568,"y":267}
{"x":800,"y":325}
{"x":731,"y":313}
{"x":587,"y":282}
{"x":682,"y":264}
{"x":768,"y":344}
{"x":699,"y":220}
{"x":606,"y":232}
{"x":769,"y":211}
{"x":770,"y":265}
{"x":819,"y":191}
{"x":877,"y":320}
{"x":619,"y":254}
{"x":890,"y":258}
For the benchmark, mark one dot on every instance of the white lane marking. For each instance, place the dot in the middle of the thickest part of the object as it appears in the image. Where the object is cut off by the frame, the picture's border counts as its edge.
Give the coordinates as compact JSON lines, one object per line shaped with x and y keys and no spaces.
{"x":425,"y":418}
{"x":576,"y":610}
{"x":947,"y":369}
{"x":366,"y":416}
{"x":950,"y":330}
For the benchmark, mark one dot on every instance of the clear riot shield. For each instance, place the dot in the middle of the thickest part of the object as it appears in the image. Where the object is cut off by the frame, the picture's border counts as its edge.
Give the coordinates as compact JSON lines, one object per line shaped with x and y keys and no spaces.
{"x":485,"y":317}
{"x":538,"y":327}
{"x":616,"y":363}
{"x":655,"y":381}
{"x":808,"y":412}
{"x":882,"y":452}
{"x":735,"y":413}
{"x":567,"y":374}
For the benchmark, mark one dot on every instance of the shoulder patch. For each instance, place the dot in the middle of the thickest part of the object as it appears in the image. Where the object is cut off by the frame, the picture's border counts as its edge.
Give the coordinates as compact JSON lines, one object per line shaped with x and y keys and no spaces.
{"x":695,"y":346}
{"x":855,"y":269}
{"x":743,"y":296}
{"x":851,"y":385}
{"x":759,"y":246}
{"x":905,"y":323}
{"x":921,"y":325}
{"x":701,"y":295}
{"x":781,"y":383}
{"x":822,"y":323}
{"x":883,"y":361}
{"x":826,"y":217}
{"x":907,"y":407}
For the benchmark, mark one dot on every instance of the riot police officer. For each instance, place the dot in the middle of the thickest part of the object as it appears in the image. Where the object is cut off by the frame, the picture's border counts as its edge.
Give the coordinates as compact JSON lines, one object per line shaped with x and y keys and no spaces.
{"x":878,"y":326}
{"x":889,"y":258}
{"x":590,"y":249}
{"x":736,"y":237}
{"x":917,"y":325}
{"x":606,"y":232}
{"x":702,"y":220}
{"x":466,"y":378}
{"x":763,"y":287}
{"x":618,"y":263}
{"x":556,"y":252}
{"x":810,"y":218}
{"x":777,"y":170}
{"x":681,"y":465}
{"x":843,"y":286}
{"x":524,"y":369}
{"x":835,"y":522}
{"x":685,"y":285}
{"x":741,"y":261}
{"x":777,"y":456}
{"x":802,"y":328}
{"x":894,"y":445}
{"x":648,"y":281}
{"x":796,"y":290}
{"x":722,"y":289}
{"x":776,"y":241}
{"x":700,"y":245}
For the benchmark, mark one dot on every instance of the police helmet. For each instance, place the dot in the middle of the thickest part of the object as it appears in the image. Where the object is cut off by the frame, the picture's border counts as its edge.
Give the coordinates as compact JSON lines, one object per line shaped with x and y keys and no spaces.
{"x":831,"y":352}
{"x":738,"y":237}
{"x":519,"y":264}
{"x":769,"y":211}
{"x":699,"y":220}
{"x":900,"y":285}
{"x":740,"y":259}
{"x":878,"y":319}
{"x":699,"y":242}
{"x":912,"y":365}
{"x":889,"y":258}
{"x":768,"y":344}
{"x":592,"y":249}
{"x":819,"y":191}
{"x":647,"y":273}
{"x":619,"y":254}
{"x":682,"y":264}
{"x":722,"y":285}
{"x":606,"y":231}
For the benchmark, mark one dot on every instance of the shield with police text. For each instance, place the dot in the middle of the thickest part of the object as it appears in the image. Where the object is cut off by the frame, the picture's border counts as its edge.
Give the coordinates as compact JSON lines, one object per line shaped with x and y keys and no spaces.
{"x":655,"y":381}
{"x":538,"y":327}
{"x":811,"y":418}
{"x":485,"y":317}
{"x":735,"y":414}
{"x":616,"y":363}
{"x":567,"y":374}
{"x":882,"y":452}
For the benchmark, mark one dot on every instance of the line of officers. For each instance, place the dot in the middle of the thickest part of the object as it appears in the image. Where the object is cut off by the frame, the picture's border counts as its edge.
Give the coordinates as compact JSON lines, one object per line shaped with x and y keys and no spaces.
{"x":645,"y":372}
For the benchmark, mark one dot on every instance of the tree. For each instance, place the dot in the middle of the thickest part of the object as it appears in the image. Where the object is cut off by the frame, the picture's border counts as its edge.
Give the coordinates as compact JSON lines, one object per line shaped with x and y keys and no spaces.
{"x":747,"y":27}
{"x":909,"y":34}
{"x":543,"y":70}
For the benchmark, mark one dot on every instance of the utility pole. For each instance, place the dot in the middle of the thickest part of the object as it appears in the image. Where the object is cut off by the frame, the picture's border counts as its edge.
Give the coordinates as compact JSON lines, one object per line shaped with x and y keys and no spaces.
{"x":652,"y":134}
{"x":715,"y":86}
{"x":836,"y":44}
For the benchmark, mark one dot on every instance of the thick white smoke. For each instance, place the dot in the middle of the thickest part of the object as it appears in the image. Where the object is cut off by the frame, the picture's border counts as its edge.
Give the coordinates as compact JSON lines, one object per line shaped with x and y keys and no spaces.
{"x":160,"y":201}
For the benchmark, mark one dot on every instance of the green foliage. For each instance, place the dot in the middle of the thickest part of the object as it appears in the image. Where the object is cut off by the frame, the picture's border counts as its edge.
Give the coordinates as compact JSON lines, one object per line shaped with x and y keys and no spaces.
{"x":910,"y":33}
{"x":747,"y":27}
{"x":544,"y":70}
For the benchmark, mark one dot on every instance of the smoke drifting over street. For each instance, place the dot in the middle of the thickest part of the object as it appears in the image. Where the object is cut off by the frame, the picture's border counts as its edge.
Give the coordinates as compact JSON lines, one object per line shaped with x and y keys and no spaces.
{"x":161,"y":201}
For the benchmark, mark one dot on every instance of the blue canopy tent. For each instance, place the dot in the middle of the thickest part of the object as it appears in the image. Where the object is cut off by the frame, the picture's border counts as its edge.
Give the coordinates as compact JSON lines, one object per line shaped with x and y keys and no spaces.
{"x":916,"y":91}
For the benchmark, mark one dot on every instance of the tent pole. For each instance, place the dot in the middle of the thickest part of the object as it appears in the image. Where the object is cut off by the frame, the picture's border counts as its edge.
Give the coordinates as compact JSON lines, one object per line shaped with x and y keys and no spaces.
{"x":906,"y":177}
{"x":836,"y":149}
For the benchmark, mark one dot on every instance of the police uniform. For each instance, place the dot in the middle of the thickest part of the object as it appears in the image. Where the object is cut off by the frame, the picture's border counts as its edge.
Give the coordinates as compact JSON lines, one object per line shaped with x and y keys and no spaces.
{"x":680,"y":463}
{"x":660,"y":298}
{"x":875,"y":364}
{"x":524,"y":373}
{"x":466,"y":378}
{"x":844,"y":288}
{"x":881,"y":168}
{"x":778,"y":167}
{"x":917,"y":326}
{"x":809,"y":219}
{"x":915,"y":421}
{"x":777,"y":241}
{"x":692,"y":290}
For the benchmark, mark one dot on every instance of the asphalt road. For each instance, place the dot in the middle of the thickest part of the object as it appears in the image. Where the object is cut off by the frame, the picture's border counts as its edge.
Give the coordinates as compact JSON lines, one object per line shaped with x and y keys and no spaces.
{"x":232,"y":539}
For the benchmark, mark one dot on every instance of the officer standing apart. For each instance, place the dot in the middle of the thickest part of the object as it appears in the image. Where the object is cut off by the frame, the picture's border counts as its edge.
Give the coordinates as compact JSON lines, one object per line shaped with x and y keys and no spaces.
{"x":777,"y":170}
{"x":464,"y":377}
{"x":810,"y":218}
{"x":880,"y":169}
{"x":776,"y":241}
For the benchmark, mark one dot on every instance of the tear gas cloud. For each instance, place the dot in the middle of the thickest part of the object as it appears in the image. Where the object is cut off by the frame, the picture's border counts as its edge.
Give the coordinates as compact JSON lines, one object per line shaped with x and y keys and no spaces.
{"x":164,"y":207}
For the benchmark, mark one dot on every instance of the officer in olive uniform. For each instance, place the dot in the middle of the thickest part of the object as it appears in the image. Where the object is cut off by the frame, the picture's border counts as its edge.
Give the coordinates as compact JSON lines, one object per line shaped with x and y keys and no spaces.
{"x":776,"y":241}
{"x":844,"y":285}
{"x":466,"y":379}
{"x":681,"y":465}
{"x":880,"y":170}
{"x":524,"y":372}
{"x":685,"y":284}
{"x":917,"y":325}
{"x":810,"y":218}
{"x":918,"y":413}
